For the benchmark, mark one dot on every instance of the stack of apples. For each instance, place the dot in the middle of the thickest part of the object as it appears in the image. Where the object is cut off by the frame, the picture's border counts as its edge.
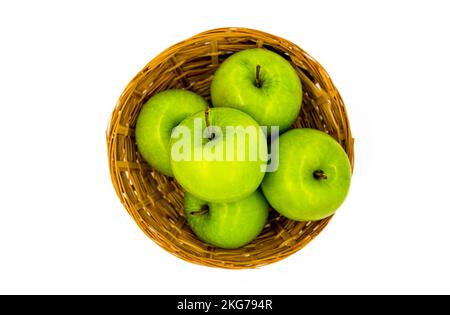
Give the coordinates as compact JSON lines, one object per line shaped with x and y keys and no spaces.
{"x":237,"y":157}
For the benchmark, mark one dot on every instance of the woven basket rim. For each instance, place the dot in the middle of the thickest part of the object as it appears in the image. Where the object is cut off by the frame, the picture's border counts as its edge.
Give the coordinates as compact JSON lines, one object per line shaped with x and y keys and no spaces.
{"x":152,"y":199}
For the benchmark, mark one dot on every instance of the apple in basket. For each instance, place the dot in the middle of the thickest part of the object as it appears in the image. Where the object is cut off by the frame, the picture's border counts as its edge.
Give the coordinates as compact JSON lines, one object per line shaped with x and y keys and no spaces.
{"x":163,"y":112}
{"x":219,"y":155}
{"x":261,"y":83}
{"x":227,"y":225}
{"x":313,"y":176}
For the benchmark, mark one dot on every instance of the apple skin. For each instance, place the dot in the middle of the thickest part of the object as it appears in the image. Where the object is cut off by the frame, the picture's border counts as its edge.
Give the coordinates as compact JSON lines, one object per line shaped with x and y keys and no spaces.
{"x":227,"y":180}
{"x":275,"y":103}
{"x":293,"y":190}
{"x":155,"y":122}
{"x":227,"y":225}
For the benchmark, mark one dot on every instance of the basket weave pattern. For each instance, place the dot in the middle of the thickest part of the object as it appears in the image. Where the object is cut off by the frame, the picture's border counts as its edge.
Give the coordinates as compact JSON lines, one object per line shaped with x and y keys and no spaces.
{"x":156,"y":202}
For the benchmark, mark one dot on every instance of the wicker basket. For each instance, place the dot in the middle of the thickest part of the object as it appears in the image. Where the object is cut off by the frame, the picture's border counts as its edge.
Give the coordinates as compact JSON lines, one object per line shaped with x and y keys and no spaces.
{"x":156,"y":202}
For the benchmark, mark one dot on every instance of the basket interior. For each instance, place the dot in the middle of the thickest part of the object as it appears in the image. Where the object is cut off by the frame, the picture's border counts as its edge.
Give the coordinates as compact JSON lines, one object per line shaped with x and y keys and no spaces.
{"x":156,"y":201}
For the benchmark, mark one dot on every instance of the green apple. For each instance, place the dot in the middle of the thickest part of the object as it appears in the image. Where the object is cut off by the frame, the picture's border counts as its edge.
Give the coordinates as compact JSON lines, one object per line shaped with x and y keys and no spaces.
{"x":155,"y":122}
{"x":227,"y":225}
{"x":219,"y":155}
{"x":261,"y":83}
{"x":313,"y":175}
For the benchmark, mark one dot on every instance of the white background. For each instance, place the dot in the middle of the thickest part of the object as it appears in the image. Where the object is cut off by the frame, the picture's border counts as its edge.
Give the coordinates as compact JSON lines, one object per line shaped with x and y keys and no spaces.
{"x":63,"y":65}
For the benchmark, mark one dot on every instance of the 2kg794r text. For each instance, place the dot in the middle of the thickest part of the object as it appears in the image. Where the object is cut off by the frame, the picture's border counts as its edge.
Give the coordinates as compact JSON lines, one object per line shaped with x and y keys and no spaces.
{"x":229,"y":304}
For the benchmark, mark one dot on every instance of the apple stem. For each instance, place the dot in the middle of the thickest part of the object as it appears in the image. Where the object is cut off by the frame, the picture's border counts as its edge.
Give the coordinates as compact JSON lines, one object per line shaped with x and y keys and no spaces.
{"x":207,"y":117}
{"x":258,"y":78}
{"x":319,"y":174}
{"x":208,"y":124}
{"x":202,"y":211}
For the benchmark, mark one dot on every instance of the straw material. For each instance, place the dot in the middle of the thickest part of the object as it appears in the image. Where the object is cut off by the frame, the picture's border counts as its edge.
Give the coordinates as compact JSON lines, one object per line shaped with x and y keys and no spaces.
{"x":156,"y":202}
